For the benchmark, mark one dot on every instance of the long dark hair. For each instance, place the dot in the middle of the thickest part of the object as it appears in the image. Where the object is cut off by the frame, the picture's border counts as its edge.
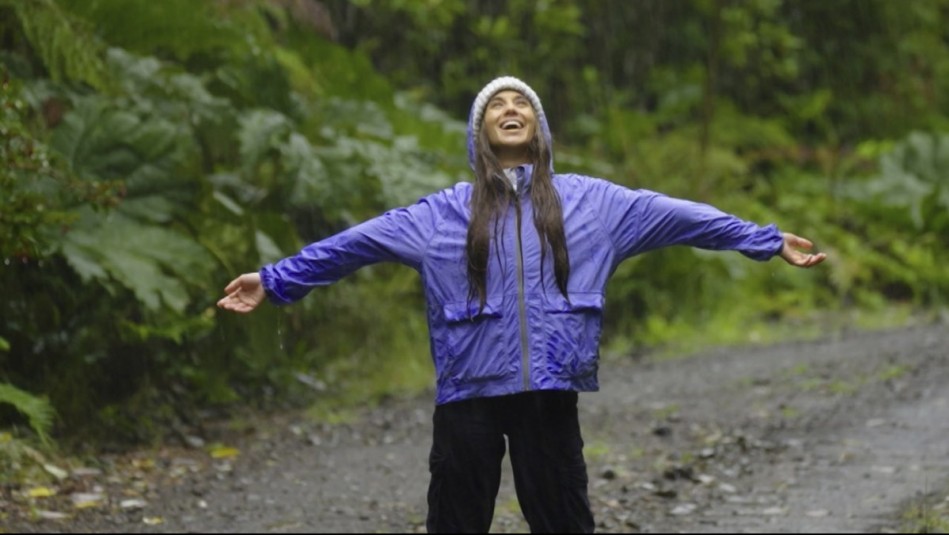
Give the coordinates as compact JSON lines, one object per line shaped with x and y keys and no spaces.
{"x":492,"y":196}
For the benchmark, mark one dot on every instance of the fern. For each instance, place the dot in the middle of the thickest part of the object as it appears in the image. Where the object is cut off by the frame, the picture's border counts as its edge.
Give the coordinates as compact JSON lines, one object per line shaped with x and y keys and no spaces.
{"x":37,"y":410}
{"x":172,"y":29}
{"x":69,"y":51}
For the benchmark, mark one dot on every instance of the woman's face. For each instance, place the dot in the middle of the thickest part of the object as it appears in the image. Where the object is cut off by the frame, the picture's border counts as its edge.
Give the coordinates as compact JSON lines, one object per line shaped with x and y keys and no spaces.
{"x":510,"y":123}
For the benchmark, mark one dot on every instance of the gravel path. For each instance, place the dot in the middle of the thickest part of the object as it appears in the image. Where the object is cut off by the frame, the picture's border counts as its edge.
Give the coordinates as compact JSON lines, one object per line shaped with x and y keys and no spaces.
{"x":838,"y":435}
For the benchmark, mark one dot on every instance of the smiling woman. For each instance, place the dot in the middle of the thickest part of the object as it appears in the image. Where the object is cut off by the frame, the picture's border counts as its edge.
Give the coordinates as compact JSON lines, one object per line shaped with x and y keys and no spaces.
{"x":511,"y":344}
{"x":510,"y":124}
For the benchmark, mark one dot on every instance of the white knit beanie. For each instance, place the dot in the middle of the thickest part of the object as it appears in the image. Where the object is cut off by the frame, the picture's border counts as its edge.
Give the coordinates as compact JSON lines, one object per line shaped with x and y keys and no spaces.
{"x":500,"y":84}
{"x":481,"y":101}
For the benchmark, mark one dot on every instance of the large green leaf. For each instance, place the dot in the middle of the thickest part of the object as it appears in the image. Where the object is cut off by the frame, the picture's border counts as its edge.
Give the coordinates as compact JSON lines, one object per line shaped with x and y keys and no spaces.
{"x":310,"y":181}
{"x":261,"y":131}
{"x":914,"y":176}
{"x":103,"y":142}
{"x":155,"y":263}
{"x":153,"y":86}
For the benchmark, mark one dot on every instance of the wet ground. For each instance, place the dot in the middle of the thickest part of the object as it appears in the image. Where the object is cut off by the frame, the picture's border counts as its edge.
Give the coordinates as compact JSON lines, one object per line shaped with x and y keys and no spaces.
{"x":844,"y":434}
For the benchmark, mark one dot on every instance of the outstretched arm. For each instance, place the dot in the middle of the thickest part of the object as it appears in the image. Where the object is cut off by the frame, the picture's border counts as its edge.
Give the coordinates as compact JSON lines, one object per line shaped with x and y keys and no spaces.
{"x":398,"y":235}
{"x":243,"y":294}
{"x":643,"y":220}
{"x":793,"y":256}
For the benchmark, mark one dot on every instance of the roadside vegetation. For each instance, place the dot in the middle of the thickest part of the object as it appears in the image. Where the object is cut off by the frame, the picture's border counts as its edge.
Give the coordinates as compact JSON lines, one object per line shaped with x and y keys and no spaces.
{"x":148,"y":157}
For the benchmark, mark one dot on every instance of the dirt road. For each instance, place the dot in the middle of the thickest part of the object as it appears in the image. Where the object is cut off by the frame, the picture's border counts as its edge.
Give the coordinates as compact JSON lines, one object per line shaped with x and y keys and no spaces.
{"x":837,"y":435}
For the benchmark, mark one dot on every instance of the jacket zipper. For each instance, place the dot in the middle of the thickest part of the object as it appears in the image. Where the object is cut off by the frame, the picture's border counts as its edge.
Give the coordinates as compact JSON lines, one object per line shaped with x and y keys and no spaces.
{"x":521,"y":301}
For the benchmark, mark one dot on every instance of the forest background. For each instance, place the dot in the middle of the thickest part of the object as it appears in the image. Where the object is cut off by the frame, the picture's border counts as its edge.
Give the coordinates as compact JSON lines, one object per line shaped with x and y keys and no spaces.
{"x":151,"y":151}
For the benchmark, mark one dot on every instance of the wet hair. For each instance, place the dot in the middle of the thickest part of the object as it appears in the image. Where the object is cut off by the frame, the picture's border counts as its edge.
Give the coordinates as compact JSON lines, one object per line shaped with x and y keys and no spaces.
{"x":493,"y":195}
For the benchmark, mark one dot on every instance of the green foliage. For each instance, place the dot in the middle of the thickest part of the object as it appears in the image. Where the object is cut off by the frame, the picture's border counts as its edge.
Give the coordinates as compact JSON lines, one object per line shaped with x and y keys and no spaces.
{"x":155,"y":263}
{"x":147,"y":153}
{"x":37,"y":410}
{"x":148,"y":157}
{"x":904,"y":211}
{"x":68,"y":49}
{"x":386,"y":359}
{"x":177,"y":29}
{"x":519,"y":37}
{"x":913,"y":182}
{"x":924,"y":516}
{"x":27,"y":182}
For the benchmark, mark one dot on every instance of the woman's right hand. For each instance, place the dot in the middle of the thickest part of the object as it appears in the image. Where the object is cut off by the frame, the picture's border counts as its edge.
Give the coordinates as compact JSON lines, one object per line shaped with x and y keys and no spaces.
{"x":793,"y":256}
{"x":243,"y":294}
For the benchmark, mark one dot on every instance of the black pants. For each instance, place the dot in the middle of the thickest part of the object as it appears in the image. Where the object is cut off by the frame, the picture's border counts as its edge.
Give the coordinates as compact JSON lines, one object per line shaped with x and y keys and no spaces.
{"x":550,"y":475}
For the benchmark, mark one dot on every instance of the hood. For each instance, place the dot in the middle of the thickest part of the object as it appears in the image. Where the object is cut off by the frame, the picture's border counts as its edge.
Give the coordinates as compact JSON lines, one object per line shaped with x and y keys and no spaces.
{"x":477,"y":112}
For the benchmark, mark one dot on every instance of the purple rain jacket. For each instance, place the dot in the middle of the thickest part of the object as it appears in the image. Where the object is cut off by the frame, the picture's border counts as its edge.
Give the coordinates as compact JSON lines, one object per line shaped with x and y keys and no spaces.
{"x":527,"y":336}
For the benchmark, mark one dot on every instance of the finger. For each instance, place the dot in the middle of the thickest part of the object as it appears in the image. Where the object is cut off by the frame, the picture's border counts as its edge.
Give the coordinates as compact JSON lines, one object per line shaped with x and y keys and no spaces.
{"x":798,"y":258}
{"x":799,"y":242}
{"x":227,"y":302}
{"x":232,"y":286}
{"x":814,"y":259}
{"x":234,"y":305}
{"x":243,"y":307}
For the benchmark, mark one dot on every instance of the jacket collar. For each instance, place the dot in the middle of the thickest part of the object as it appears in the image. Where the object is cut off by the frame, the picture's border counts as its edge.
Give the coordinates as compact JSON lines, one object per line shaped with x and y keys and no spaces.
{"x":520,"y":176}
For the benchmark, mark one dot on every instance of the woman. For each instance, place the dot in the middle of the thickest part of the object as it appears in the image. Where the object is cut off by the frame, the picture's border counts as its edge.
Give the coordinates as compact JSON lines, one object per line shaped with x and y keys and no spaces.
{"x":514,"y":268}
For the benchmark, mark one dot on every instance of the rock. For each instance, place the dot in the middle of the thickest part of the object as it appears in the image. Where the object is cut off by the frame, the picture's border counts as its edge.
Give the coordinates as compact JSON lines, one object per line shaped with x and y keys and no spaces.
{"x":608,"y":473}
{"x":132,"y":503}
{"x":683,"y":509}
{"x":51,"y":515}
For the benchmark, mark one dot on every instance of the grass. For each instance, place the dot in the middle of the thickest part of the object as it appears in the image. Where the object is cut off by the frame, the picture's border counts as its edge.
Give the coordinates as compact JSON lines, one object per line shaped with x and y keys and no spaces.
{"x":895,"y":371}
{"x":25,"y":459}
{"x":669,"y":340}
{"x":926,"y":518}
{"x":789,"y":412}
{"x":666,"y":412}
{"x":358,"y":390}
{"x":593,"y":451}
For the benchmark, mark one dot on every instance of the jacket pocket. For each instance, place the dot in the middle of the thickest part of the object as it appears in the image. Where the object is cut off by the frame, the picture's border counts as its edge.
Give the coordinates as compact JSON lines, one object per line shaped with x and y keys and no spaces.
{"x":572,"y":329}
{"x":470,"y":344}
{"x":465,"y":311}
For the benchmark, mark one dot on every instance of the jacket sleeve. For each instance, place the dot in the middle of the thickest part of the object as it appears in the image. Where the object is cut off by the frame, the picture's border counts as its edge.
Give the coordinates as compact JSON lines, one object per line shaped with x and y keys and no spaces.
{"x":399,"y":235}
{"x":643,"y":220}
